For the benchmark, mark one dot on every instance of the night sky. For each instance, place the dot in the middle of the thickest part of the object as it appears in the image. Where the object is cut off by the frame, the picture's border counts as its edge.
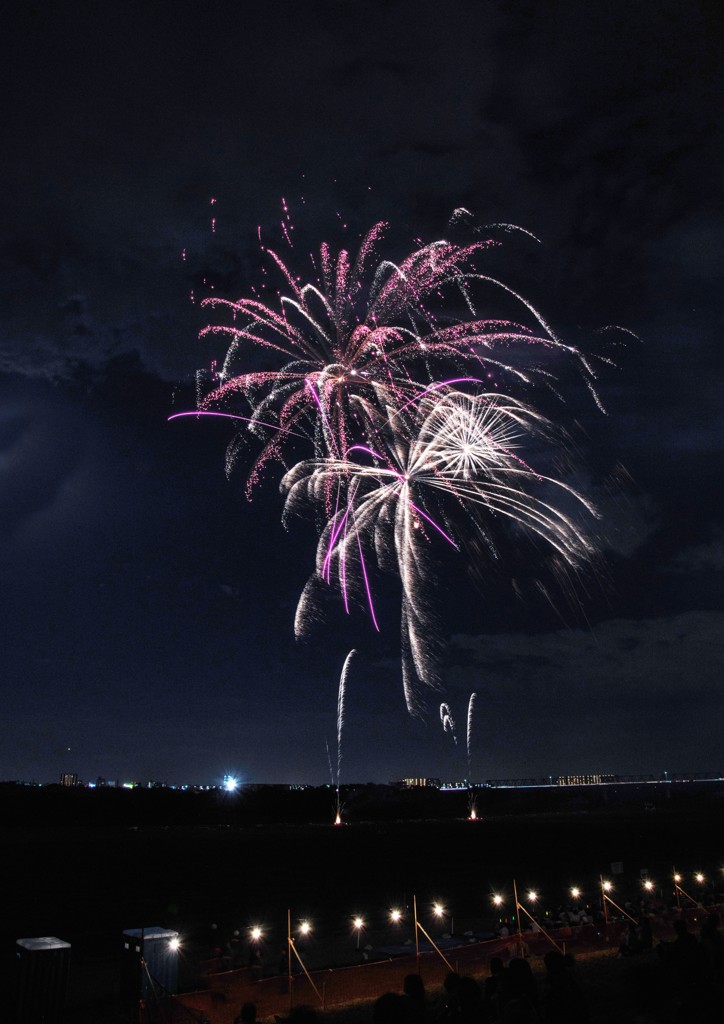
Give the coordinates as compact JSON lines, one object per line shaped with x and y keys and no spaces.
{"x":147,"y":607}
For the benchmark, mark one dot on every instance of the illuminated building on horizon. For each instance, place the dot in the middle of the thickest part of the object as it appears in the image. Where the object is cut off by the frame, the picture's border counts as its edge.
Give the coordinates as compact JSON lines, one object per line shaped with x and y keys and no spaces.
{"x":585,"y":780}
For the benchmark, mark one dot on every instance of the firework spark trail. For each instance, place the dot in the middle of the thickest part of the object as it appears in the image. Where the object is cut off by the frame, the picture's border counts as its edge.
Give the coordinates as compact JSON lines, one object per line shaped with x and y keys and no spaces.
{"x":448,"y":722}
{"x":469,"y":734}
{"x":341,"y":696}
{"x":198,"y":413}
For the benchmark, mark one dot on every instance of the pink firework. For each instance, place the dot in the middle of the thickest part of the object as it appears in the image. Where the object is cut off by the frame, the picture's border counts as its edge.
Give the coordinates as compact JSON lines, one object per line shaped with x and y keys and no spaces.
{"x":365,"y":335}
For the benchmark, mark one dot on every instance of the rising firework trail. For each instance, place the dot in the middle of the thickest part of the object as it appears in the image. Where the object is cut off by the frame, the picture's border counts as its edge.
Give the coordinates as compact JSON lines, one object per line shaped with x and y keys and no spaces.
{"x":469,"y":745}
{"x":473,"y":811}
{"x":341,"y":696}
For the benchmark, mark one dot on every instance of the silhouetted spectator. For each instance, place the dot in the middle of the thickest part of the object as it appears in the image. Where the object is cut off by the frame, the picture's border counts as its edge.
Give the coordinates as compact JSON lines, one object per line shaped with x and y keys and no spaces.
{"x":492,"y":988}
{"x":389,"y":1009}
{"x":518,"y":986}
{"x":414,"y":990}
{"x":631,"y":943}
{"x":247,"y":1015}
{"x":563,"y":1002}
{"x":470,"y":1001}
{"x":450,"y":997}
{"x":303,"y":1015}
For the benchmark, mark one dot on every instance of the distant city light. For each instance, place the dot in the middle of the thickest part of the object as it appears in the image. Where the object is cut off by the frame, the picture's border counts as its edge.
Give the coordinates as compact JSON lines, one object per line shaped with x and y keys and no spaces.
{"x":305,"y":928}
{"x":648,"y":885}
{"x":256,"y":933}
{"x":231,"y":783}
{"x":497,"y":900}
{"x":395,"y":915}
{"x":575,"y":892}
{"x":677,"y":878}
{"x":438,"y":910}
{"x":532,"y":895}
{"x":699,"y":877}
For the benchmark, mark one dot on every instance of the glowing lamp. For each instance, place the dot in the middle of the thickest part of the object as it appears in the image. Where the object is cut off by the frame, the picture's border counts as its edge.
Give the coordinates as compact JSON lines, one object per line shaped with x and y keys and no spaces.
{"x":395,"y":915}
{"x":575,"y":892}
{"x":305,"y":928}
{"x":699,"y":877}
{"x":648,"y":885}
{"x":358,"y":922}
{"x":497,"y":900}
{"x":532,"y":895}
{"x":438,"y":910}
{"x":256,"y":933}
{"x":606,"y":886}
{"x":677,"y":878}
{"x":174,"y":944}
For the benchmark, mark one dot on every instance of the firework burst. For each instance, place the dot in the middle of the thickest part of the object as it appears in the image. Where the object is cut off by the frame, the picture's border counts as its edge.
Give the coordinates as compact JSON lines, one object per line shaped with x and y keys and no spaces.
{"x":446,"y":465}
{"x":387,"y":400}
{"x":363,"y":335}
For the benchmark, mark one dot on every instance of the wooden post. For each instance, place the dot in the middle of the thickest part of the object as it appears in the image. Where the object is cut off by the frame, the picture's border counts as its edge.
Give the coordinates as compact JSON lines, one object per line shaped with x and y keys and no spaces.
{"x":604,"y":904}
{"x":289,"y":954}
{"x":417,"y":934}
{"x":517,"y":919}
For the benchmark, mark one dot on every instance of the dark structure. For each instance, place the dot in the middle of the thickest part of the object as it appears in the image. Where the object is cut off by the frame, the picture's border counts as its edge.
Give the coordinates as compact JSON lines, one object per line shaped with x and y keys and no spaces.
{"x":42,"y":969}
{"x":149,"y":968}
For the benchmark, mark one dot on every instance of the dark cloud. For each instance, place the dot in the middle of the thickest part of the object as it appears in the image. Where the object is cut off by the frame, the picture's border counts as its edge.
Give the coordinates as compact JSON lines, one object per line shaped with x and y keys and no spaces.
{"x":621,"y":694}
{"x":707,"y":557}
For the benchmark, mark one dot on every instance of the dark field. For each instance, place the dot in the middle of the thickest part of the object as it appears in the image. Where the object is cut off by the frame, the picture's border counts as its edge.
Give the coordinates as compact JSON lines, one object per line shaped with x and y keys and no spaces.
{"x":84,"y":865}
{"x":71,"y":872}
